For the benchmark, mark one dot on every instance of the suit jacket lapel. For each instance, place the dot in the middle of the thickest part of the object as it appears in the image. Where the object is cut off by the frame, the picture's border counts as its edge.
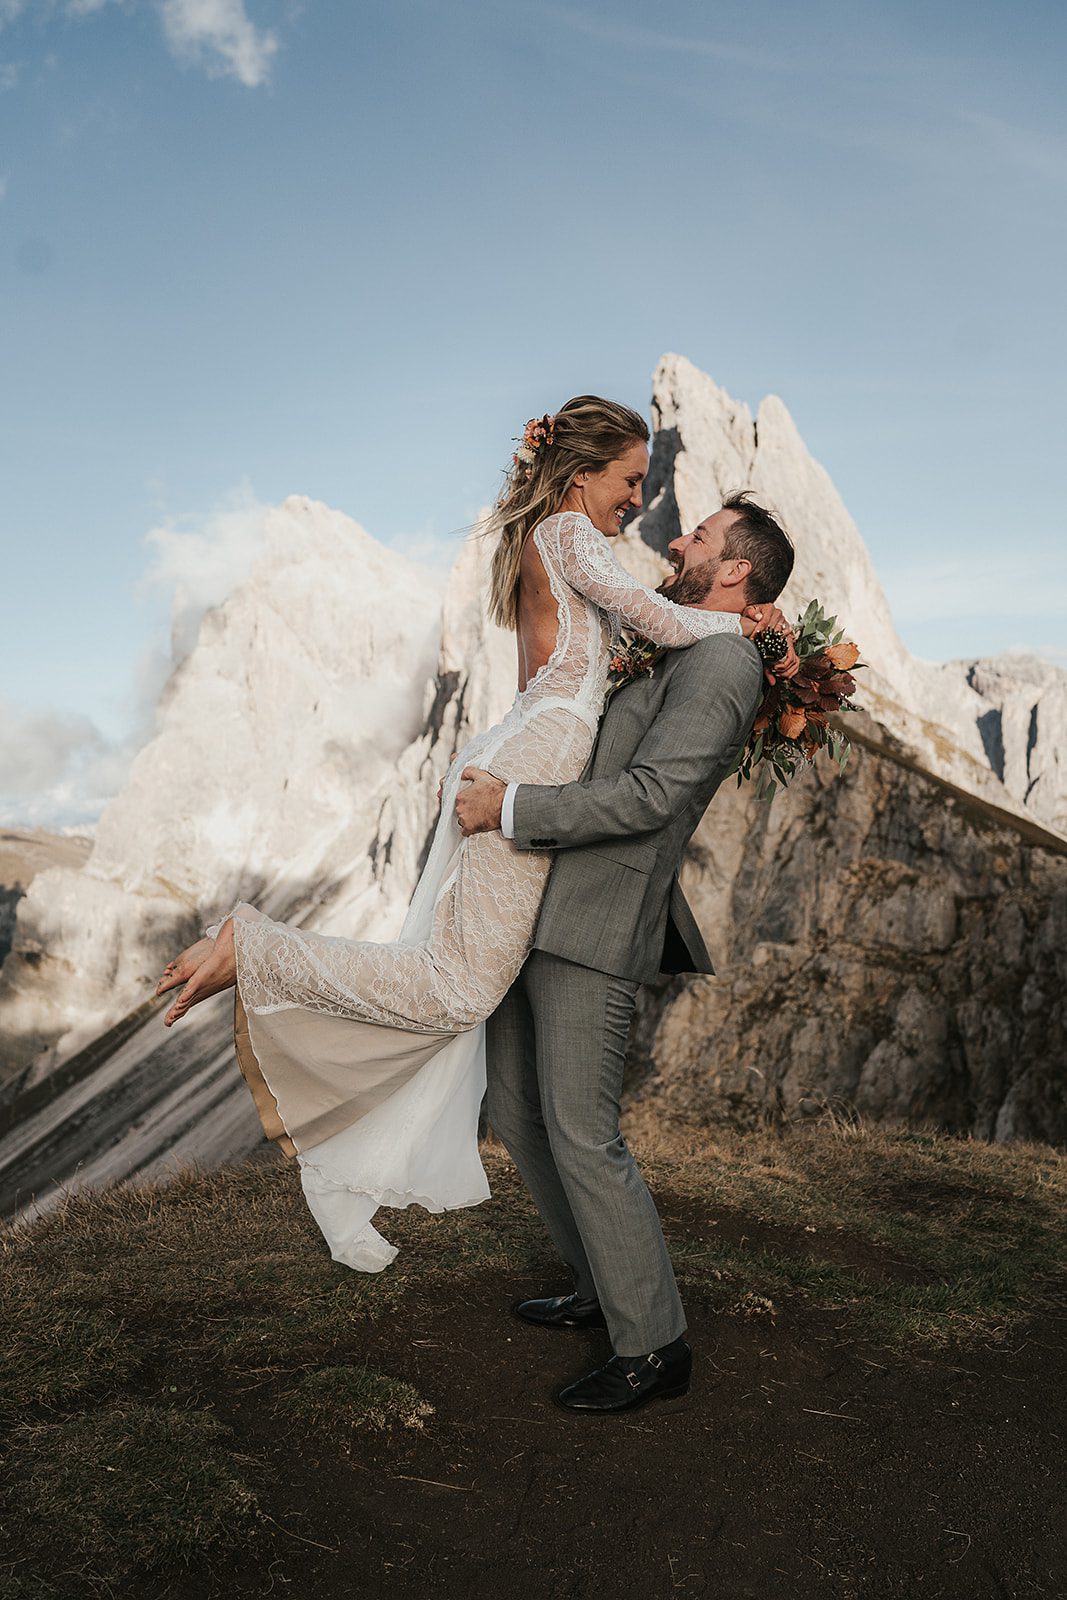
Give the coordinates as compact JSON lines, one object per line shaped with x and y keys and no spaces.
{"x":626,"y":720}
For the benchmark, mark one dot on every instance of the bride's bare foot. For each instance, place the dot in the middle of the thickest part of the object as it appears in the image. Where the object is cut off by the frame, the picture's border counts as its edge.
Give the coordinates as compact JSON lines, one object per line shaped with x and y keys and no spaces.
{"x":181,"y":969}
{"x":218,"y":972}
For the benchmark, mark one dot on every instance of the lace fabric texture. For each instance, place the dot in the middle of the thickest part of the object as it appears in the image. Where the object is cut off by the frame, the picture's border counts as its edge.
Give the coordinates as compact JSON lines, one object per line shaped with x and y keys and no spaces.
{"x":473,"y":916}
{"x":569,"y":544}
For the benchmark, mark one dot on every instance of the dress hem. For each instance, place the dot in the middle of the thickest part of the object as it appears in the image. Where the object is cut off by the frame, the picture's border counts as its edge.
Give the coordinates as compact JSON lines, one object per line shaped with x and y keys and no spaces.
{"x":395,"y":1199}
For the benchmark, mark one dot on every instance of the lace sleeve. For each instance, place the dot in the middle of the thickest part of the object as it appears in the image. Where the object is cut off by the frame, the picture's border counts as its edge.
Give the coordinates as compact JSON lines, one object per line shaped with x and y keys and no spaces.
{"x":213,"y":931}
{"x":589,"y":565}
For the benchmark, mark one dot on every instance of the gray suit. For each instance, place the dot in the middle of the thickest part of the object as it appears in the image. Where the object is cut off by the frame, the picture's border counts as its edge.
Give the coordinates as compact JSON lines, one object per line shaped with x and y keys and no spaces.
{"x":613,"y":917}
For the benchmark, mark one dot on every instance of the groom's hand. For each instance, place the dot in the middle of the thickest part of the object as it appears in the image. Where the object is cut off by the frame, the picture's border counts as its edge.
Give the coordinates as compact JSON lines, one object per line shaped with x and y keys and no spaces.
{"x":478,"y":807}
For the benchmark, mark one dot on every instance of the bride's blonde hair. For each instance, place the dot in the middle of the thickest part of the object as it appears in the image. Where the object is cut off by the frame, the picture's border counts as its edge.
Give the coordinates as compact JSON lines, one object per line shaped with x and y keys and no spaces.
{"x":585,"y":435}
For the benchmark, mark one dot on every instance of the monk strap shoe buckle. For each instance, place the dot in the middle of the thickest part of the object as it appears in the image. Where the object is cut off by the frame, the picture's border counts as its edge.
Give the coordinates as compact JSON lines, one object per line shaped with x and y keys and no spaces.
{"x":626,"y":1382}
{"x":652,"y":1360}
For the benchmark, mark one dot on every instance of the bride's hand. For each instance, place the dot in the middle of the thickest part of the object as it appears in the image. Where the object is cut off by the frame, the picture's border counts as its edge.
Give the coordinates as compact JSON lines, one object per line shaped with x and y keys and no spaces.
{"x":761,"y":617}
{"x":757,"y":619}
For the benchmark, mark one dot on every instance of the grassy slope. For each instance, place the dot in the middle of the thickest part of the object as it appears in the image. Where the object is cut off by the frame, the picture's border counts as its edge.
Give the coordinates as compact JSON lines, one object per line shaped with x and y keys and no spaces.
{"x":187,"y":1369}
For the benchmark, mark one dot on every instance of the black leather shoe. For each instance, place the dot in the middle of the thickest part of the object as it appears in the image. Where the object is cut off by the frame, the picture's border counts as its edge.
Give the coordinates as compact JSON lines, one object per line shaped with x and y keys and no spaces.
{"x":565,"y":1311}
{"x":628,"y":1382}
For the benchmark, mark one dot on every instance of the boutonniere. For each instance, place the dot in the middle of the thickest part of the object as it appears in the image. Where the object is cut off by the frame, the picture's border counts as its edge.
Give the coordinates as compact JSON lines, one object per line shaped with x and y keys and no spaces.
{"x":634,"y":658}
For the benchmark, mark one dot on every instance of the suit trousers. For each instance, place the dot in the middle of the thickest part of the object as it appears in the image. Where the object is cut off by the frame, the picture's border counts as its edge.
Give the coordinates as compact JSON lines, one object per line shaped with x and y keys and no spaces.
{"x":555,"y":1053}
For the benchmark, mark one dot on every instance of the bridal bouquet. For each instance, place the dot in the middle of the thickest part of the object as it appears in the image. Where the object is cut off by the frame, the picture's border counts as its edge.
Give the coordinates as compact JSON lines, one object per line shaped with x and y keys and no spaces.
{"x":793,"y":722}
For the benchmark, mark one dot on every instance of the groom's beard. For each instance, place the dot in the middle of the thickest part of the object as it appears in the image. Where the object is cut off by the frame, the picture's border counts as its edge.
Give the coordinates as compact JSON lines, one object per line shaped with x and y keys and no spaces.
{"x":692,"y":587}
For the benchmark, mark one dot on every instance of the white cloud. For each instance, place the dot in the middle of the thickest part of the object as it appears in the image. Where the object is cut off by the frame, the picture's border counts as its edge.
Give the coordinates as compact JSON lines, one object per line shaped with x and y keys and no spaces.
{"x":222,"y":35}
{"x":1041,"y":154}
{"x":201,"y":558}
{"x":434,"y":552}
{"x":56,"y":768}
{"x":613,"y":30}
{"x":216,"y":34}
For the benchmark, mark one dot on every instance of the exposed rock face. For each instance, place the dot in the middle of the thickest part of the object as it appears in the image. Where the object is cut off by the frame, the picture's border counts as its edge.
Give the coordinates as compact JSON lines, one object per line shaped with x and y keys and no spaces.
{"x":880,"y":943}
{"x":124,"y":1096}
{"x":881,"y":940}
{"x":1024,"y":729}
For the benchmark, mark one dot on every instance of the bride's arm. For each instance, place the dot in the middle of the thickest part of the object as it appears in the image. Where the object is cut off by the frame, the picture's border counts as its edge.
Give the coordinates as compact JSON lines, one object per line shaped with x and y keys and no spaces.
{"x":589,"y":565}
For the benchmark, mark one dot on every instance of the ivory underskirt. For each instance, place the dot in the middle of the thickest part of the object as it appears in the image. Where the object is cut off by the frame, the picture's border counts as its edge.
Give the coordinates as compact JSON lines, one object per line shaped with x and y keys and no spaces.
{"x":382,"y":1116}
{"x":374,"y":1115}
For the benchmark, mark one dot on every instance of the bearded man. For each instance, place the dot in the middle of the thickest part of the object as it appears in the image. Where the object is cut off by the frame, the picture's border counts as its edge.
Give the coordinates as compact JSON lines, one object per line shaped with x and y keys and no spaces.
{"x":614,"y":917}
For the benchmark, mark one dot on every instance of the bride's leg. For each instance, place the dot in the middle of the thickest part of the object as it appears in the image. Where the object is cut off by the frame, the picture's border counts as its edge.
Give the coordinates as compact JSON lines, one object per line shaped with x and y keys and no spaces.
{"x":218,"y":972}
{"x":481,"y":932}
{"x":181,"y":969}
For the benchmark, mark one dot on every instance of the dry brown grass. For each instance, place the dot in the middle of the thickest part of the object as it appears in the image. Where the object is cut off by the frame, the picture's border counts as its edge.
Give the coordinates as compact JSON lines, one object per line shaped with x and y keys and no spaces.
{"x":981,"y":1224}
{"x":335,"y":1402}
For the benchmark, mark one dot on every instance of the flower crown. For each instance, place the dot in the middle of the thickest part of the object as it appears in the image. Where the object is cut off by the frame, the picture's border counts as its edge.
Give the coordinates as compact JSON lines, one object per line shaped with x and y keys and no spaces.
{"x":537,"y":435}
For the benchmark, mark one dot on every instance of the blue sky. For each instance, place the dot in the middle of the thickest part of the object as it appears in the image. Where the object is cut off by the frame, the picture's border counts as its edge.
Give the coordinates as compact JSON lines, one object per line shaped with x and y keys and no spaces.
{"x":249,"y":249}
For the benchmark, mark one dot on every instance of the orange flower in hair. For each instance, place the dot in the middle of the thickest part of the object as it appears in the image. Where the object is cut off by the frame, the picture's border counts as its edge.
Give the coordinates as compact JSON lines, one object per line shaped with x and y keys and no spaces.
{"x":537,"y":435}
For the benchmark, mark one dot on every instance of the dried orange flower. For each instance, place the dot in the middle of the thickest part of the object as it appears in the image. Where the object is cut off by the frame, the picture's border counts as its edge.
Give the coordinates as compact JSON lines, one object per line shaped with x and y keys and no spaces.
{"x":792,"y":723}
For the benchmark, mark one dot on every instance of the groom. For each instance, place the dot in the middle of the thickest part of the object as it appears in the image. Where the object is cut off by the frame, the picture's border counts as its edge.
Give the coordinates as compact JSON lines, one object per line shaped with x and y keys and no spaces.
{"x":613,"y":917}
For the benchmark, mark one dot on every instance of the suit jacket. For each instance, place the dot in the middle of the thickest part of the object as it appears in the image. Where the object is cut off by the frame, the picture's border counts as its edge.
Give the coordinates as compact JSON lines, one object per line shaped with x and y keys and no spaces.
{"x":666,"y":742}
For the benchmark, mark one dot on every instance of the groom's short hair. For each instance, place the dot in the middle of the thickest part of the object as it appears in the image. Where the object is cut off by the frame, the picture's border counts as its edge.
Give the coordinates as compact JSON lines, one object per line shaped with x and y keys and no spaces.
{"x":754,"y":536}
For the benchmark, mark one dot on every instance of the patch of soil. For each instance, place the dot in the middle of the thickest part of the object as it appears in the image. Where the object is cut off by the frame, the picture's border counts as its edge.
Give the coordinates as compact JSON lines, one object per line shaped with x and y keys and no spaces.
{"x":804,"y":1464}
{"x":919,"y":1195}
{"x":833,"y":1246}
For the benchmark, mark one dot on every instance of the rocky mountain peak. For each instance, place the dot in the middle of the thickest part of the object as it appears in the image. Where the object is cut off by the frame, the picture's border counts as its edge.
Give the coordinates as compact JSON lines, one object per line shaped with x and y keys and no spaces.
{"x":707,"y":444}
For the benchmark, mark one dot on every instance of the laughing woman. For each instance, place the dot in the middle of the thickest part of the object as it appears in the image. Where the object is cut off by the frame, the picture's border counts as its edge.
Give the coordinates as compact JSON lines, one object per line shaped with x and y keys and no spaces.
{"x":367,"y":1060}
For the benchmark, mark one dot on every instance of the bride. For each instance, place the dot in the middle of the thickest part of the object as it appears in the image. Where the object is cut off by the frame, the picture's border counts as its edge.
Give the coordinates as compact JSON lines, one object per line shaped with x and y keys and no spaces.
{"x":367,"y":1061}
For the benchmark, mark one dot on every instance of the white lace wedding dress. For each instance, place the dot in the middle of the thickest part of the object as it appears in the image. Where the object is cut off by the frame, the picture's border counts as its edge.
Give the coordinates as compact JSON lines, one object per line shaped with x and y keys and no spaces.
{"x":373,"y":1055}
